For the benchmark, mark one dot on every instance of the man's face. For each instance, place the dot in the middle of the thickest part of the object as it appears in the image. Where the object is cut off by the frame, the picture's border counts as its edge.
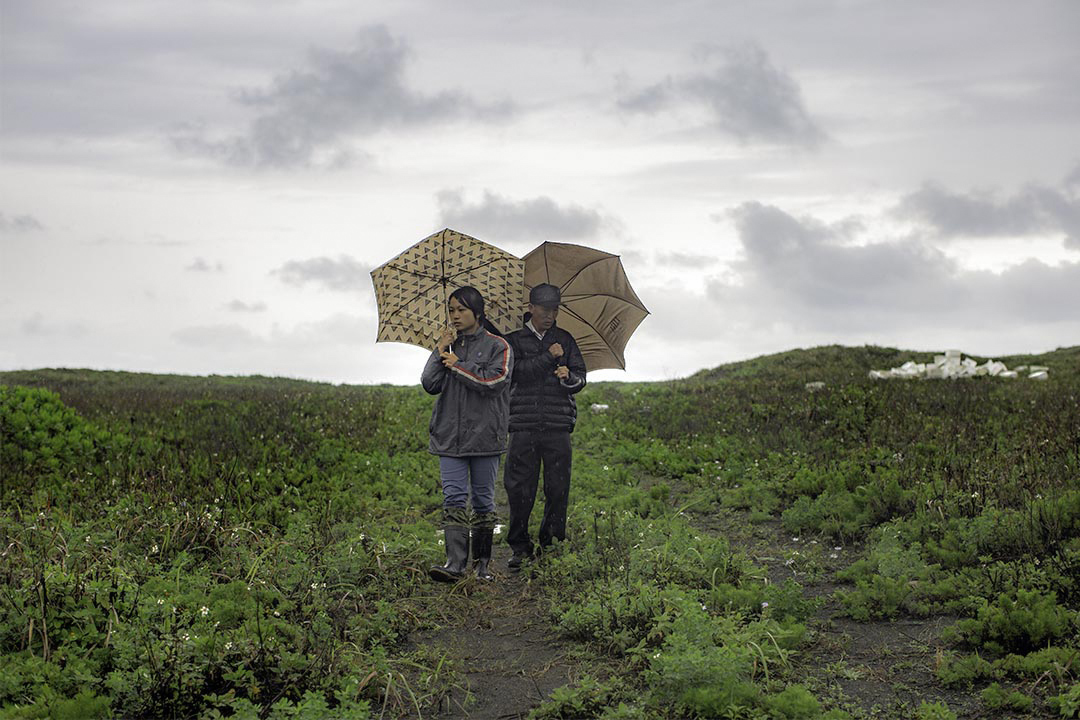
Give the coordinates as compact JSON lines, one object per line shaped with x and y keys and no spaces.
{"x":543,"y":317}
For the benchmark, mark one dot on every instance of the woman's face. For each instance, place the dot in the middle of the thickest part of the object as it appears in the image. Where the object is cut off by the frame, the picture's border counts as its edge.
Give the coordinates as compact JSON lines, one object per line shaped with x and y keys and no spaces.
{"x":462,"y":318}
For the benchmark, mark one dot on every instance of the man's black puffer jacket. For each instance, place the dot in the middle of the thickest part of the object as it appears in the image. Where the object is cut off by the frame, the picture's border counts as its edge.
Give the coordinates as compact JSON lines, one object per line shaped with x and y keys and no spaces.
{"x":538,"y":399}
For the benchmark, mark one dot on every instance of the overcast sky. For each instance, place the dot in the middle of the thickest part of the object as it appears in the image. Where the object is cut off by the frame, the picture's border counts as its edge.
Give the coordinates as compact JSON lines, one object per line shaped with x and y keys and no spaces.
{"x":204,"y":187}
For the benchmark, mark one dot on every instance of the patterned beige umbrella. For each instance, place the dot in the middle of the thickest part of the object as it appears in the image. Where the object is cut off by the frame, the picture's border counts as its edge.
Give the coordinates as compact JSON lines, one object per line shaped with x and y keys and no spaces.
{"x":412,"y":289}
{"x":599,"y":308}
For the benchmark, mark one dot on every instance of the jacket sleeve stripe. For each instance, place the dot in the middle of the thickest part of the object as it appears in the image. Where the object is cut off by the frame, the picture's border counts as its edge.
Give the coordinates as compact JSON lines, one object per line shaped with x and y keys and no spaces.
{"x":496,"y":379}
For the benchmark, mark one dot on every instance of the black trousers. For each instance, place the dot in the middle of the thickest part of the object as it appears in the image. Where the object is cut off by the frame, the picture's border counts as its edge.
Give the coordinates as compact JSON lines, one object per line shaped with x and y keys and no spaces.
{"x":527,"y":452}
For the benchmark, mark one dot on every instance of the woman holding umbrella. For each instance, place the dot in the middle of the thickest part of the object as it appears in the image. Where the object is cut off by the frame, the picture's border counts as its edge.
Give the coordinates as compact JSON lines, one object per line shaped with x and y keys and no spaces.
{"x":470,"y":372}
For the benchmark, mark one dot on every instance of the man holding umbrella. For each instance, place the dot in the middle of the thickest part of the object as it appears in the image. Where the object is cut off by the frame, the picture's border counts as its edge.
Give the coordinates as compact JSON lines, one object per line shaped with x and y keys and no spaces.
{"x":548,"y":371}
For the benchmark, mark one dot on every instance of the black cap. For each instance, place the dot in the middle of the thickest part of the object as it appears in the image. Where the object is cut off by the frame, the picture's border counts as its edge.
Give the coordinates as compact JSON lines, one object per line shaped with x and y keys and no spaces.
{"x":545,"y":294}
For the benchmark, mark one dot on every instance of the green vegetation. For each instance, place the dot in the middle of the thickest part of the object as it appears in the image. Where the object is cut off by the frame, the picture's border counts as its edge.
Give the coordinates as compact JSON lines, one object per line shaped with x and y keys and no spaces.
{"x":254,"y":547}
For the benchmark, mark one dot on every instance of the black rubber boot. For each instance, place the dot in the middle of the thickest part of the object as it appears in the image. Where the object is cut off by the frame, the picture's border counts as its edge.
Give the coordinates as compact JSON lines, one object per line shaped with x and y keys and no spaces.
{"x":483,"y":531}
{"x":457,"y":555}
{"x":481,"y":552}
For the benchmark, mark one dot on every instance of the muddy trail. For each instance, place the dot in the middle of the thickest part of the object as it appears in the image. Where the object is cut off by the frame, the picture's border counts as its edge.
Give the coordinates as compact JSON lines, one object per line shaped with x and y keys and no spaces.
{"x":504,"y":649}
{"x":509,"y":658}
{"x":877,"y":668}
{"x":499,"y":640}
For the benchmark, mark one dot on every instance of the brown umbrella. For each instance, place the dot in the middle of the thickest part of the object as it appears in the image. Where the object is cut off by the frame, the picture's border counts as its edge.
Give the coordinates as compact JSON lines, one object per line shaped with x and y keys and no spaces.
{"x":413,"y":288}
{"x":599,"y":308}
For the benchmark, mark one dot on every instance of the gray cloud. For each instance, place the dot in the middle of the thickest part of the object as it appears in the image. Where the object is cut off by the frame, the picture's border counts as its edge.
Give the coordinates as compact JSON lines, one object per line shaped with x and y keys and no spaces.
{"x":1034,"y":209}
{"x":305,"y":117}
{"x":217,"y":337}
{"x":344,"y":274}
{"x":534,"y":219}
{"x":324,"y":348}
{"x":746,"y":95}
{"x":649,"y":100}
{"x":687,"y":260}
{"x":38,"y":326}
{"x":243,"y":307}
{"x":1072,"y":180}
{"x":201,"y":265}
{"x":808,"y":273}
{"x":19,"y":224}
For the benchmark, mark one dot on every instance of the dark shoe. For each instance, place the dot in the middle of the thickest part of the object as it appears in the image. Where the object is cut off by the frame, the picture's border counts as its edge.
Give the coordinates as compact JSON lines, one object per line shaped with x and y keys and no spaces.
{"x":457,"y":555}
{"x":481,"y":552}
{"x":516,"y":561}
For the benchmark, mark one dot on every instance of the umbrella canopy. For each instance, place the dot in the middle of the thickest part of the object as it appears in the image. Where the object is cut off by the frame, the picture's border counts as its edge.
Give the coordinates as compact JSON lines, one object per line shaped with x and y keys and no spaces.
{"x":599,"y":308}
{"x":413,"y":288}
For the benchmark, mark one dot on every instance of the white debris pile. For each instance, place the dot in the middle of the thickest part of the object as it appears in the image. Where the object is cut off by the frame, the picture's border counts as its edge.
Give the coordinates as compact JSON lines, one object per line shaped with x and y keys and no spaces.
{"x":954,"y":365}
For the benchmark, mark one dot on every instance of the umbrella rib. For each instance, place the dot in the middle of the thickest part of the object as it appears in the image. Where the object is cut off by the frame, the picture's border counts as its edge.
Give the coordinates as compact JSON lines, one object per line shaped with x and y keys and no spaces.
{"x":586,"y":296}
{"x":475,"y":267}
{"x":391,"y":266}
{"x":402,"y":305}
{"x":593,"y":327}
{"x":581,"y":269}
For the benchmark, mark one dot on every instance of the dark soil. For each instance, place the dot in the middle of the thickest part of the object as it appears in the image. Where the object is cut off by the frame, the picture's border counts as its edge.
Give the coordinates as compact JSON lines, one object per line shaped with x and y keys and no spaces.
{"x":500,"y":640}
{"x":506,"y":649}
{"x":510,"y":658}
{"x":879,"y":668}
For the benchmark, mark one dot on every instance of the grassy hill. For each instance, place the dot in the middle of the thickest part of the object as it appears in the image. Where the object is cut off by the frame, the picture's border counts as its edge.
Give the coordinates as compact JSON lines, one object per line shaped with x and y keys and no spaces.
{"x":212,"y":547}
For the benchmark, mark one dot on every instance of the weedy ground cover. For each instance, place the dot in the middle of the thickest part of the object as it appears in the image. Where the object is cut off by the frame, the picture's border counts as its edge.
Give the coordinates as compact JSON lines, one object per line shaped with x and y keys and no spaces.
{"x":215,"y":547}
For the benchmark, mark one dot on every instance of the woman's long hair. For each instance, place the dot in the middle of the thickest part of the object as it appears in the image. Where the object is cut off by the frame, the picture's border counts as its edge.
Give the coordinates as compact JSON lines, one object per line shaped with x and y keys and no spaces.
{"x":470,"y":298}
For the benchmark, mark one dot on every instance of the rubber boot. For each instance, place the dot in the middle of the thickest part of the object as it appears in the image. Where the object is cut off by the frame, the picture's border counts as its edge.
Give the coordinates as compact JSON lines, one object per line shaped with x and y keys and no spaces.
{"x":457,"y":555}
{"x":483,"y":532}
{"x":481,"y":552}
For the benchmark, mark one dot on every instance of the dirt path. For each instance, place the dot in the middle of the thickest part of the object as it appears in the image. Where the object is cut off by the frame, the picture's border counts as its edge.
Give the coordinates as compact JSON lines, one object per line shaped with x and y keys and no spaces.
{"x":511,"y":659}
{"x":506,"y":650}
{"x":500,"y":641}
{"x":879,"y":669}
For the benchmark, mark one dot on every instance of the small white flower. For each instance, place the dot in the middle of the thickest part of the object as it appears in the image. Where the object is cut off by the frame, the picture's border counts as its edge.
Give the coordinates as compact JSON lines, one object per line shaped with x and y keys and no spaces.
{"x":833,"y":555}
{"x":838,"y":548}
{"x":228,"y":646}
{"x":314,"y":586}
{"x":794,"y":539}
{"x":764,"y":605}
{"x":277,"y":614}
{"x":204,"y":611}
{"x":160,"y":601}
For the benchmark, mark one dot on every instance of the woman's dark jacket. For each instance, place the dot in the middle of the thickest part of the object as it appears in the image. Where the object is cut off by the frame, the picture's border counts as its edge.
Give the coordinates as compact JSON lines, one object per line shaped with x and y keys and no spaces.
{"x":538,"y":399}
{"x":471,"y":413}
